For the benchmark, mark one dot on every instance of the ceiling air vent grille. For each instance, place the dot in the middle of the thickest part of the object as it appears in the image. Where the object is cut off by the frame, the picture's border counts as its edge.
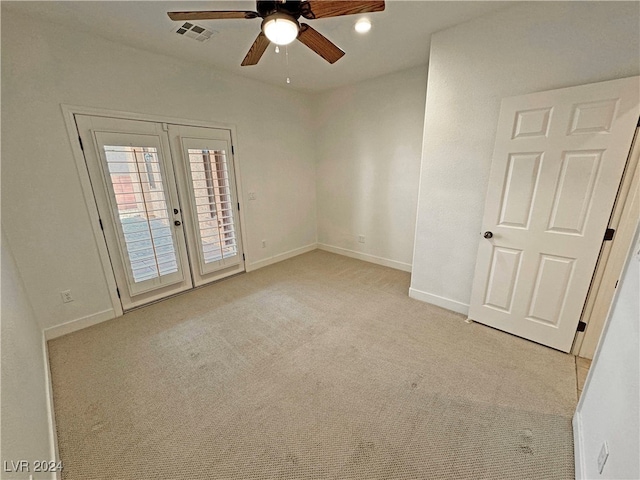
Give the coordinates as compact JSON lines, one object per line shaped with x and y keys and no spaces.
{"x":196,"y":32}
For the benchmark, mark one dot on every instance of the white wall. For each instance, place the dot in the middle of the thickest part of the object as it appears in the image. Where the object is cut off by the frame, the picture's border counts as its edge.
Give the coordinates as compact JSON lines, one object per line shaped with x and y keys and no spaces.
{"x":25,"y":416}
{"x":609,"y":409}
{"x":369,"y":140}
{"x":530,"y":47}
{"x":43,"y":209}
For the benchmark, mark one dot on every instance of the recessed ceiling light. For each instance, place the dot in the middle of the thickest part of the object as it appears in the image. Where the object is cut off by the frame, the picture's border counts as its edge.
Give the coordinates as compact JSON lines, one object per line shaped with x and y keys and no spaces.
{"x":363,"y":25}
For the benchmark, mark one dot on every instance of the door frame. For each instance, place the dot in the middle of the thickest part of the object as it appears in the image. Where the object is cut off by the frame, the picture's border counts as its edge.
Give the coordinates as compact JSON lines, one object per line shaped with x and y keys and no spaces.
{"x":612,"y":255}
{"x":68,"y":112}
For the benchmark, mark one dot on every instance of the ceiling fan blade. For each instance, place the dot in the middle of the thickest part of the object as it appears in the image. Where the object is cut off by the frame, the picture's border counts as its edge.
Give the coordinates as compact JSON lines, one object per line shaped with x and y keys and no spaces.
{"x":211,"y":15}
{"x":319,"y":44}
{"x":329,"y":8}
{"x":257,"y":49}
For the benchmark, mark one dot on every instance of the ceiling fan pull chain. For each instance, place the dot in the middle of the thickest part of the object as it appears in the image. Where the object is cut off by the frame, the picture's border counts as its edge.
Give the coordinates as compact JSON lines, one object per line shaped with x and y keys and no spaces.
{"x":286,"y":55}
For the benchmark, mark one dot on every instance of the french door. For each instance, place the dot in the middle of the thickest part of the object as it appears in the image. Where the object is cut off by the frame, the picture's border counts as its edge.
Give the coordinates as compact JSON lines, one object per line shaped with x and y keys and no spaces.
{"x":166,"y":196}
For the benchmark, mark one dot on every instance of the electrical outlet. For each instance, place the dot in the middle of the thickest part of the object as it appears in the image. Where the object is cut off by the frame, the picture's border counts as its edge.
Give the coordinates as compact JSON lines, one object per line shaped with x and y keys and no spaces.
{"x":264,"y":244}
{"x":361,"y":238}
{"x":602,"y":457}
{"x":66,"y":296}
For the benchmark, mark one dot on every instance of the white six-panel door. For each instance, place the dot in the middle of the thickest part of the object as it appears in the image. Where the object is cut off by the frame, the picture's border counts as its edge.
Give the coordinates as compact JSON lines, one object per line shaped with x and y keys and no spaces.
{"x":558,"y":160}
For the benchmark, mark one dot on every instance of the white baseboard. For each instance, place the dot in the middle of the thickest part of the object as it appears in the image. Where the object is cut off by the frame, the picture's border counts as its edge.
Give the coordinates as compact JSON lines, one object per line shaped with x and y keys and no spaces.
{"x":78,"y":324}
{"x":578,"y":445}
{"x":51,"y":417}
{"x":405,"y":267}
{"x":280,"y":257}
{"x":439,"y":301}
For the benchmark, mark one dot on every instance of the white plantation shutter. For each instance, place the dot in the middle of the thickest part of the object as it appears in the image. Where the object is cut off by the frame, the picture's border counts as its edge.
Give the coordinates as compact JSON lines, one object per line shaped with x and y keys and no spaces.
{"x":139,"y":197}
{"x":211,"y":191}
{"x":135,"y":183}
{"x":214,"y":203}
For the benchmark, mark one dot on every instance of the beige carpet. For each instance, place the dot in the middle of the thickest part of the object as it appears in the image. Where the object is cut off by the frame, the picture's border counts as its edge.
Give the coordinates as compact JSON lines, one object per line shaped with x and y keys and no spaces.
{"x":318,"y":367}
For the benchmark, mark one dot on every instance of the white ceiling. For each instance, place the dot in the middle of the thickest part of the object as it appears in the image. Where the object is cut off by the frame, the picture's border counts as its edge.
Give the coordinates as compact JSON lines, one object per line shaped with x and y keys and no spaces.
{"x":399,"y":39}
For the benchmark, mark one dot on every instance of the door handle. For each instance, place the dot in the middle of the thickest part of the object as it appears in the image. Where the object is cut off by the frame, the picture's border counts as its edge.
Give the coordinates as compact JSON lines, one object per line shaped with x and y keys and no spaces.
{"x":177,"y":223}
{"x":488,"y":234}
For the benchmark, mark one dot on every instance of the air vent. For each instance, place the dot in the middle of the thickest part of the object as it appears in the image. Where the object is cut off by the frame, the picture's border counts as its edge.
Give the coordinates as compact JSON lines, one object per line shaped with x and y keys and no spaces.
{"x":196,"y":32}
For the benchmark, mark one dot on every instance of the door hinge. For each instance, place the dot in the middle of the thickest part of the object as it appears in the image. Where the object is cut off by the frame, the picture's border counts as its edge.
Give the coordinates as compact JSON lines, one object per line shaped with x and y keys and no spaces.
{"x":582,"y":326}
{"x":238,"y":206}
{"x":81,"y":145}
{"x":233,"y":150}
{"x":118,"y":292}
{"x":101,"y":227}
{"x":243,"y":257}
{"x":616,"y":286}
{"x":608,"y":235}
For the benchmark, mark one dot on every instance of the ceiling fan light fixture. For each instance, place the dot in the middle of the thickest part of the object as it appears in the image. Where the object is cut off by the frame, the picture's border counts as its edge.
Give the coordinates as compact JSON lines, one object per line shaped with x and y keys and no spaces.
{"x":280,"y":29}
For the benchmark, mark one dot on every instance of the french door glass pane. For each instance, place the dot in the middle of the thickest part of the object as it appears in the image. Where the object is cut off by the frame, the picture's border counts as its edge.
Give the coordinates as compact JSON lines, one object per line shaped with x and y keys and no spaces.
{"x":210,"y":177}
{"x":145,"y":222}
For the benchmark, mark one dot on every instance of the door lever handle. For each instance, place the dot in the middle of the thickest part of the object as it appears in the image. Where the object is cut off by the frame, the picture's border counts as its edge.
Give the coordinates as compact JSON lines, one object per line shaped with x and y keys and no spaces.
{"x":488,"y":234}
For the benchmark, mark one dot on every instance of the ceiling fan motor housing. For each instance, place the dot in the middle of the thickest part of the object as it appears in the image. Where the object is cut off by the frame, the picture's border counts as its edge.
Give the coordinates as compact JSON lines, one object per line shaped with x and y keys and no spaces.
{"x":292,"y":7}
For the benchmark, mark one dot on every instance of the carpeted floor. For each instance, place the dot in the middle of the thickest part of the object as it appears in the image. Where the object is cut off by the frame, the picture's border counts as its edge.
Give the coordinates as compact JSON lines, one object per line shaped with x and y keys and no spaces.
{"x":318,"y":367}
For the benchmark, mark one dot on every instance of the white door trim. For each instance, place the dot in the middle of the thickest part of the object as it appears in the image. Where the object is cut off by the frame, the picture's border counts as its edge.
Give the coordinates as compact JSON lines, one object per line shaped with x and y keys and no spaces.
{"x":68,"y":112}
{"x":612,"y":256}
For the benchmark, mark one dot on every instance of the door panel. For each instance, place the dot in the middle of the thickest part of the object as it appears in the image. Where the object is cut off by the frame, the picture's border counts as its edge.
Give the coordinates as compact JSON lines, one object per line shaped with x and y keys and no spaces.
{"x":136,"y":191}
{"x":505,"y":267}
{"x":209,"y":197}
{"x":557,"y":164}
{"x":134,"y":187}
{"x":519,"y":187}
{"x":551,"y":288}
{"x":574,"y":191}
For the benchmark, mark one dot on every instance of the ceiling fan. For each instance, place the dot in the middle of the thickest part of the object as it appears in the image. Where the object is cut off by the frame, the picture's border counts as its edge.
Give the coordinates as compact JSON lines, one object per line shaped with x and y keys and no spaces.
{"x":280,"y":23}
